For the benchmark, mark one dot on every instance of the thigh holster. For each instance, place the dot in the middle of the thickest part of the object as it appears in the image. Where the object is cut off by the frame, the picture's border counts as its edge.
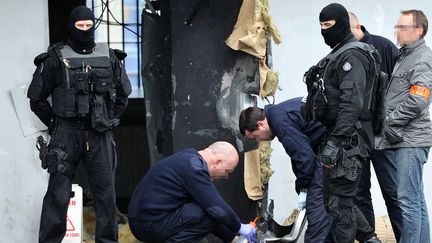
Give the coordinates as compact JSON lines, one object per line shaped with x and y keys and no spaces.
{"x":58,"y":162}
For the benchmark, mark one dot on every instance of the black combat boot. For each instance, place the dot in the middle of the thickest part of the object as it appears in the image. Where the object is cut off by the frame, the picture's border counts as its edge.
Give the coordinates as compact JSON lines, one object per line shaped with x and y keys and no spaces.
{"x":374,"y":239}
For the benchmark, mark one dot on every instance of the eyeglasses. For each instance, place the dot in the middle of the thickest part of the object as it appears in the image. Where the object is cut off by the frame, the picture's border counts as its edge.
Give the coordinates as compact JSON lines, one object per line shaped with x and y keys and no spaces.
{"x":405,"y":26}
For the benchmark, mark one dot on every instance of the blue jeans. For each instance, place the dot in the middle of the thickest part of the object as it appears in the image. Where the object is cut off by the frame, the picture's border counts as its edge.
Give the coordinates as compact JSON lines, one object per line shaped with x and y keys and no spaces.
{"x":386,"y":173}
{"x":415,"y":220}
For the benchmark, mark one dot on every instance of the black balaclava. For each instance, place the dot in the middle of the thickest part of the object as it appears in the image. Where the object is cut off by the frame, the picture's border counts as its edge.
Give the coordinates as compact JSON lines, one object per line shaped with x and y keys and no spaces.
{"x":335,"y":34}
{"x":82,"y":41}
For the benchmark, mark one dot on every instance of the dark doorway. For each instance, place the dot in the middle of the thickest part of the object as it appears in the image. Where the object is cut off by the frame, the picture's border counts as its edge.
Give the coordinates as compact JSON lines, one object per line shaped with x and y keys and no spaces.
{"x":58,"y":11}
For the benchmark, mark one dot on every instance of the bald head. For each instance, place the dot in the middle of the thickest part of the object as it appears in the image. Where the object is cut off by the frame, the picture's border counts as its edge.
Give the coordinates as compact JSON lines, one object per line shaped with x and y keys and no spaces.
{"x":221,"y":157}
{"x":225,"y":150}
{"x":353,"y":18}
{"x":355,"y":26}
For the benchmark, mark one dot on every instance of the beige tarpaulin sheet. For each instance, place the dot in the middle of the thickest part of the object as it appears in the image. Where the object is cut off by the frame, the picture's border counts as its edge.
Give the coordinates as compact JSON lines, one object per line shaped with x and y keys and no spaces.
{"x":257,"y":171}
{"x":253,"y":28}
{"x":252,"y":175}
{"x":250,"y":34}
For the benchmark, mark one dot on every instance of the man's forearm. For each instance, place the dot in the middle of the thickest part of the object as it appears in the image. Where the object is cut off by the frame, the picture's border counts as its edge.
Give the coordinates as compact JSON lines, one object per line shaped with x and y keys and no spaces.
{"x":42,"y":110}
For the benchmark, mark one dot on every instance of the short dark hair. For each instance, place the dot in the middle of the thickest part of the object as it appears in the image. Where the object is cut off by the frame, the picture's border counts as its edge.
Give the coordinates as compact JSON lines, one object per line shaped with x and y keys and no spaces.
{"x":249,"y":118}
{"x":419,"y":18}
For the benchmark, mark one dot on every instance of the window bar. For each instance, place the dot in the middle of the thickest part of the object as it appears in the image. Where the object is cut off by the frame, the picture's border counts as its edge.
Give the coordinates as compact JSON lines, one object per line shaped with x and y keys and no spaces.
{"x":138,"y":43}
{"x":123,"y":29}
{"x":108,"y":23}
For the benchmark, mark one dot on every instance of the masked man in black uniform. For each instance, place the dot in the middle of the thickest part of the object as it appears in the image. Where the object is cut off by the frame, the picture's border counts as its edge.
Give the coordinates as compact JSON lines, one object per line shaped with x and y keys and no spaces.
{"x":89,"y":89}
{"x":338,"y":97}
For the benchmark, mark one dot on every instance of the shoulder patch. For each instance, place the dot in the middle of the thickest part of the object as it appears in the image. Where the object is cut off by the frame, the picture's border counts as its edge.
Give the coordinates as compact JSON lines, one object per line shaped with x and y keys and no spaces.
{"x":347,"y":66}
{"x":120,"y":54}
{"x":40,"y":58}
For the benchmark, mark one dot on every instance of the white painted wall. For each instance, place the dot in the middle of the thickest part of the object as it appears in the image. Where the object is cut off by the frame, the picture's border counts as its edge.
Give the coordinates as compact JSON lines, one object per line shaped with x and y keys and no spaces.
{"x":302,"y":47}
{"x":24,"y":28}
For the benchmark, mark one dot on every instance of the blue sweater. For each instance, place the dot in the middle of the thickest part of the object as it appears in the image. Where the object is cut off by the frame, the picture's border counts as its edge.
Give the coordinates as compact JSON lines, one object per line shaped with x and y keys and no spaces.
{"x":299,"y":138}
{"x":174,"y":181}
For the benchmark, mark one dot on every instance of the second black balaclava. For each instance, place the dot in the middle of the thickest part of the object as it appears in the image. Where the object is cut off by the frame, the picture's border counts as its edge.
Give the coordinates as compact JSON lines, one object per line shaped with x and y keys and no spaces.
{"x":335,"y":34}
{"x":82,"y":41}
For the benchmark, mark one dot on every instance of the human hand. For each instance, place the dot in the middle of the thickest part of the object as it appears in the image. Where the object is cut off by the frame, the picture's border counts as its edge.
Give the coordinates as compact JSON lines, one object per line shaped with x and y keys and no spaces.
{"x":114,"y":123}
{"x":248,"y":231}
{"x":393,"y":134}
{"x":329,"y":154}
{"x":302,"y":200}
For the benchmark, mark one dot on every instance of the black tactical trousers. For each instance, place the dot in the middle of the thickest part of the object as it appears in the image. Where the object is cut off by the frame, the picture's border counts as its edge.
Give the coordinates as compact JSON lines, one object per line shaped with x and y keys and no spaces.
{"x":68,"y":146}
{"x":339,"y":193}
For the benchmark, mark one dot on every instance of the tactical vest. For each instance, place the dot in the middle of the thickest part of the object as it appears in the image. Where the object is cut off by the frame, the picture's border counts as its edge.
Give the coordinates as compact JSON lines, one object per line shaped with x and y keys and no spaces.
{"x":323,"y":96}
{"x":321,"y":93}
{"x":87,"y":90}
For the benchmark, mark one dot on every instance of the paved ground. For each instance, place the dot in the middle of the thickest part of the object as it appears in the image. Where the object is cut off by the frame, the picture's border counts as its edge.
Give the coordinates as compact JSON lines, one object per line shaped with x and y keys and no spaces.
{"x":383,"y":230}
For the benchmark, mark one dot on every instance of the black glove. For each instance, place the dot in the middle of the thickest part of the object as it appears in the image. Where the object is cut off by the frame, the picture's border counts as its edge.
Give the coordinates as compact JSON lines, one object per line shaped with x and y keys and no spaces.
{"x":393,"y":134}
{"x":114,"y":123}
{"x":330,"y":153}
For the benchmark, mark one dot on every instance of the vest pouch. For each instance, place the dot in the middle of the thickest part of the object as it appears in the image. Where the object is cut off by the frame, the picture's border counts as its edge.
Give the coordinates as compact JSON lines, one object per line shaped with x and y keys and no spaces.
{"x":112,"y":100}
{"x":320,"y":106}
{"x":83,"y":105}
{"x":69,"y":103}
{"x":102,"y":81}
{"x":99,"y":117}
{"x":82,"y":79}
{"x":332,"y":105}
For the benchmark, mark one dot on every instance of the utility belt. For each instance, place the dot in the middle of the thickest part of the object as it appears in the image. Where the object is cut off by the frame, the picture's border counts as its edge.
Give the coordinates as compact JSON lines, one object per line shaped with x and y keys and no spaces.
{"x":350,"y":157}
{"x":74,"y":124}
{"x":348,"y":165}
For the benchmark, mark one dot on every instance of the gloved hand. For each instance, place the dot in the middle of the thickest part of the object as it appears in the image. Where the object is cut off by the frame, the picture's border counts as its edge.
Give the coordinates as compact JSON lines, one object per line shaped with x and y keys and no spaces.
{"x":302,"y":200}
{"x":329,"y":154}
{"x":114,"y":123}
{"x":393,"y":134}
{"x":248,"y":231}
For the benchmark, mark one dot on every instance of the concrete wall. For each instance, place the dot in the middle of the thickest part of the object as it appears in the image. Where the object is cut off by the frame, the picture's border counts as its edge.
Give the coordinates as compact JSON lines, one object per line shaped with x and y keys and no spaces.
{"x":24,"y":27}
{"x":302,"y":47}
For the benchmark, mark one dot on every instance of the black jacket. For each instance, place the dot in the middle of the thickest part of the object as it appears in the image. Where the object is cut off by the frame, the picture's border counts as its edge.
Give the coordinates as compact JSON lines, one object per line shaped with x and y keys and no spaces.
{"x":345,"y":88}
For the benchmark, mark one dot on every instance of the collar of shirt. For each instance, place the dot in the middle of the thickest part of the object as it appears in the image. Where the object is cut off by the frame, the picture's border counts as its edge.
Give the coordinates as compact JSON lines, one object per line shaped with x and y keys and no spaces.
{"x":366,"y":34}
{"x":411,"y":47}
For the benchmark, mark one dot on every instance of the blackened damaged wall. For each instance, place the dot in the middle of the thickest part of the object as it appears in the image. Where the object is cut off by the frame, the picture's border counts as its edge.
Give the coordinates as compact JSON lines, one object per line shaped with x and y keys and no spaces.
{"x":200,"y":58}
{"x":156,"y":76}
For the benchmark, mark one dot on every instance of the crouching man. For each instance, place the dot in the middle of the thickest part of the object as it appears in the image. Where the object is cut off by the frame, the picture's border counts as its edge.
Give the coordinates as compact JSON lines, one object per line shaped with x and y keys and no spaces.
{"x":176,"y":200}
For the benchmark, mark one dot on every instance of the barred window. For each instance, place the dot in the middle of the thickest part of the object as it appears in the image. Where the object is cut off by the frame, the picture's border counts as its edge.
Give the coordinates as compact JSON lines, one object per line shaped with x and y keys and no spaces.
{"x":118,"y":23}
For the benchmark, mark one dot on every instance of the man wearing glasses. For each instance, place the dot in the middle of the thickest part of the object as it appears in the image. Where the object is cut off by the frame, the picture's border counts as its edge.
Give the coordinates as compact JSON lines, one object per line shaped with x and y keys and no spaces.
{"x":407,"y":134}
